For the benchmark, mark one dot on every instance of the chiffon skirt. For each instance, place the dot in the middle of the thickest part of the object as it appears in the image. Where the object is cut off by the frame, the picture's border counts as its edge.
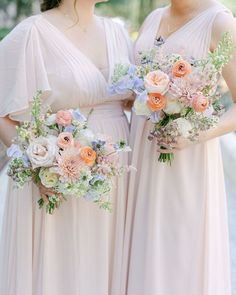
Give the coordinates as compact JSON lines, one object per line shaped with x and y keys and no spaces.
{"x":176,"y":239}
{"x":75,"y":251}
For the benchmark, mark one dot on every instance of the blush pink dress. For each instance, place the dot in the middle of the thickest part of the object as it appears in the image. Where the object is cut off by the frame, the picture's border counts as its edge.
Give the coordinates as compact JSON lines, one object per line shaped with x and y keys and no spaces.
{"x":176,"y":229}
{"x":76,"y":251}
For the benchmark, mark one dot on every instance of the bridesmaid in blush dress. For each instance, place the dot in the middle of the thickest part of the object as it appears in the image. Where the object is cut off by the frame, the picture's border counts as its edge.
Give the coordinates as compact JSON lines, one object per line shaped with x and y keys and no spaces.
{"x":176,"y":238}
{"x":76,"y":251}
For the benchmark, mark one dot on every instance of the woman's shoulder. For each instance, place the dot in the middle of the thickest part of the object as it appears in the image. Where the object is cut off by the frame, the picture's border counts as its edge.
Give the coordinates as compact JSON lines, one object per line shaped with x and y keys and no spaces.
{"x":117,"y":27}
{"x":224,"y":21}
{"x":22,"y":29}
{"x":155,"y":12}
{"x":152,"y":16}
{"x":115,"y":23}
{"x":151,"y":19}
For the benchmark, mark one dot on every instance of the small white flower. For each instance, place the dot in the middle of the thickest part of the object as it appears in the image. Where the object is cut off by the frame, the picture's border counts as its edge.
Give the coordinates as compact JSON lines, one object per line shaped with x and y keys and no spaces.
{"x":51,"y":120}
{"x":173,"y":106}
{"x":184,"y":126}
{"x":141,"y":108}
{"x":85,"y":137}
{"x":209,"y":112}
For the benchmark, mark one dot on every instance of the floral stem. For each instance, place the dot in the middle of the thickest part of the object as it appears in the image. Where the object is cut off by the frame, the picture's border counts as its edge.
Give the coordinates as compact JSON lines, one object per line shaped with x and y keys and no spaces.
{"x":166,"y":158}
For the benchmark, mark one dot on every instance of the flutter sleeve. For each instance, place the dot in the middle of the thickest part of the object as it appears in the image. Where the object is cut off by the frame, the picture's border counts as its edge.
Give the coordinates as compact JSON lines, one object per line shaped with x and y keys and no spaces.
{"x":22,"y":70}
{"x":128,"y":42}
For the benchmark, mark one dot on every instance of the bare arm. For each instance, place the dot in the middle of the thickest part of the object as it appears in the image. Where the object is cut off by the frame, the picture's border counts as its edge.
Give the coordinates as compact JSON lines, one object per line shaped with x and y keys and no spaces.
{"x":228,"y":121}
{"x":7,"y":130}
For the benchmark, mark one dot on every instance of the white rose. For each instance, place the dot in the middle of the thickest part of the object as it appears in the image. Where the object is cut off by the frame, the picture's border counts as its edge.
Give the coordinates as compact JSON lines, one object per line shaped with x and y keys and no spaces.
{"x":85,"y":137}
{"x":184,"y":126}
{"x":42,"y":152}
{"x":173,"y":106}
{"x":51,"y":120}
{"x":157,"y":82}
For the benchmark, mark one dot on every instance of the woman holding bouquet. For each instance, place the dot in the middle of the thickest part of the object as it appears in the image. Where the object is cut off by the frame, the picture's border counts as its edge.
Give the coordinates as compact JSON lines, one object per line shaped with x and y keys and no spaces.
{"x":177,"y":229}
{"x":78,"y":249}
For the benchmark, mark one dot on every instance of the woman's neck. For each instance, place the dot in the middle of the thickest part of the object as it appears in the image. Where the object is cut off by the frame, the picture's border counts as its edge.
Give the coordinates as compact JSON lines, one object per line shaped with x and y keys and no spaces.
{"x":186,"y":7}
{"x":81,"y":9}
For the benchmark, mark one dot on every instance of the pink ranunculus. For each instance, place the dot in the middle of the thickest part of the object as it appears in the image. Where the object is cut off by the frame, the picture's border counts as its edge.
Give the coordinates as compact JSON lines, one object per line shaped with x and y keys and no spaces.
{"x":181,"y":68}
{"x":65,"y":140}
{"x":63,"y":118}
{"x":70,"y":164}
{"x":200,"y":103}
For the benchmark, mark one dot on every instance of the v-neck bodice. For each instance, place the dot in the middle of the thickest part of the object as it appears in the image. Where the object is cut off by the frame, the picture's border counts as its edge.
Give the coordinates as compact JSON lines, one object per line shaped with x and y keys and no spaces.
{"x":71,"y":46}
{"x":193,"y":38}
{"x":50,"y":62}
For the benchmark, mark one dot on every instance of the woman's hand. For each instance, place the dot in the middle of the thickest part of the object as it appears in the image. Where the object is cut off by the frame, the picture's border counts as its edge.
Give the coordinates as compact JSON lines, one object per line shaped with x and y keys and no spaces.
{"x":128,"y":103}
{"x":180,"y":144}
{"x":7,"y":130}
{"x":46,"y":193}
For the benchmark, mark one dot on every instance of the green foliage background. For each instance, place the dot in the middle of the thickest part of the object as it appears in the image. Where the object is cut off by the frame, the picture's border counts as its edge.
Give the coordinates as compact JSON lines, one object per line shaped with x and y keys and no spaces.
{"x":134,"y":11}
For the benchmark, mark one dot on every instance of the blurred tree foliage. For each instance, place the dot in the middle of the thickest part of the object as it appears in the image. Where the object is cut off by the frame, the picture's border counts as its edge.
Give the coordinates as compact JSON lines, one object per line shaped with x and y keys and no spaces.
{"x":134,"y":11}
{"x":23,"y":7}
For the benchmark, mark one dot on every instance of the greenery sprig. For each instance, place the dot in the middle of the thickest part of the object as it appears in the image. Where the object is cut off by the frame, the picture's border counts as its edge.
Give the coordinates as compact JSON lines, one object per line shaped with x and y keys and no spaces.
{"x":222,"y":54}
{"x":38,"y":120}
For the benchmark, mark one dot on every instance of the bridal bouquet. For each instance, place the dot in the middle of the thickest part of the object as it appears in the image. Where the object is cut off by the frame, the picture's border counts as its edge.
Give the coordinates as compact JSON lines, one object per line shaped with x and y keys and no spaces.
{"x":60,"y":154}
{"x":177,"y":93}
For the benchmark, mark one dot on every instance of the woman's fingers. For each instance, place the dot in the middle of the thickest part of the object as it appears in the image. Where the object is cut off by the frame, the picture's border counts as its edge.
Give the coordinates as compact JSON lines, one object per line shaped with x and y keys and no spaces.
{"x":45,"y":198}
{"x":165,"y":150}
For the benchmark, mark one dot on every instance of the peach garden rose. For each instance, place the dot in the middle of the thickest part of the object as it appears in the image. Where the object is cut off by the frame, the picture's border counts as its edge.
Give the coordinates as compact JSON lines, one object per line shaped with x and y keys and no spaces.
{"x":157,"y":82}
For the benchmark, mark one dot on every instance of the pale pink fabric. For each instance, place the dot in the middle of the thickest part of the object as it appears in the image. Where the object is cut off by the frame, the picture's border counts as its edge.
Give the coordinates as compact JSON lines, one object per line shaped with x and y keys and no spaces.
{"x":78,"y":250}
{"x":176,"y":229}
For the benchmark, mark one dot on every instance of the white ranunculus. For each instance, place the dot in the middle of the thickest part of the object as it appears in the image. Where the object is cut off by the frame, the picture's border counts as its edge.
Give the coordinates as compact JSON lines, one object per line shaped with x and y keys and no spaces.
{"x":173,"y":106}
{"x":85,"y":137}
{"x":184,"y":126}
{"x":157,"y":82}
{"x":141,"y":108}
{"x":42,"y":151}
{"x":51,"y":120}
{"x":48,"y":179}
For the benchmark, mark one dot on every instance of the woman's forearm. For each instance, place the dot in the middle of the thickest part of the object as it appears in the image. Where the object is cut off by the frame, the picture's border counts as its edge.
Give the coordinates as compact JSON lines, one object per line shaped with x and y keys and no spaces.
{"x":7,"y":130}
{"x":226,"y":125}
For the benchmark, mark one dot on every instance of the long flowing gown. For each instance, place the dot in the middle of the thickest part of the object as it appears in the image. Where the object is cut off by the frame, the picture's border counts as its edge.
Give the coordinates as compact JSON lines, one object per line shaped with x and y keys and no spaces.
{"x":176,"y":240}
{"x":76,"y":251}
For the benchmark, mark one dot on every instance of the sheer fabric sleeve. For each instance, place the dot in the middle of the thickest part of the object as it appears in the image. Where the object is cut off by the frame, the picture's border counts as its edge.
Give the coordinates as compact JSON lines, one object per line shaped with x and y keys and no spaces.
{"x":22,"y":70}
{"x":128,"y":43}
